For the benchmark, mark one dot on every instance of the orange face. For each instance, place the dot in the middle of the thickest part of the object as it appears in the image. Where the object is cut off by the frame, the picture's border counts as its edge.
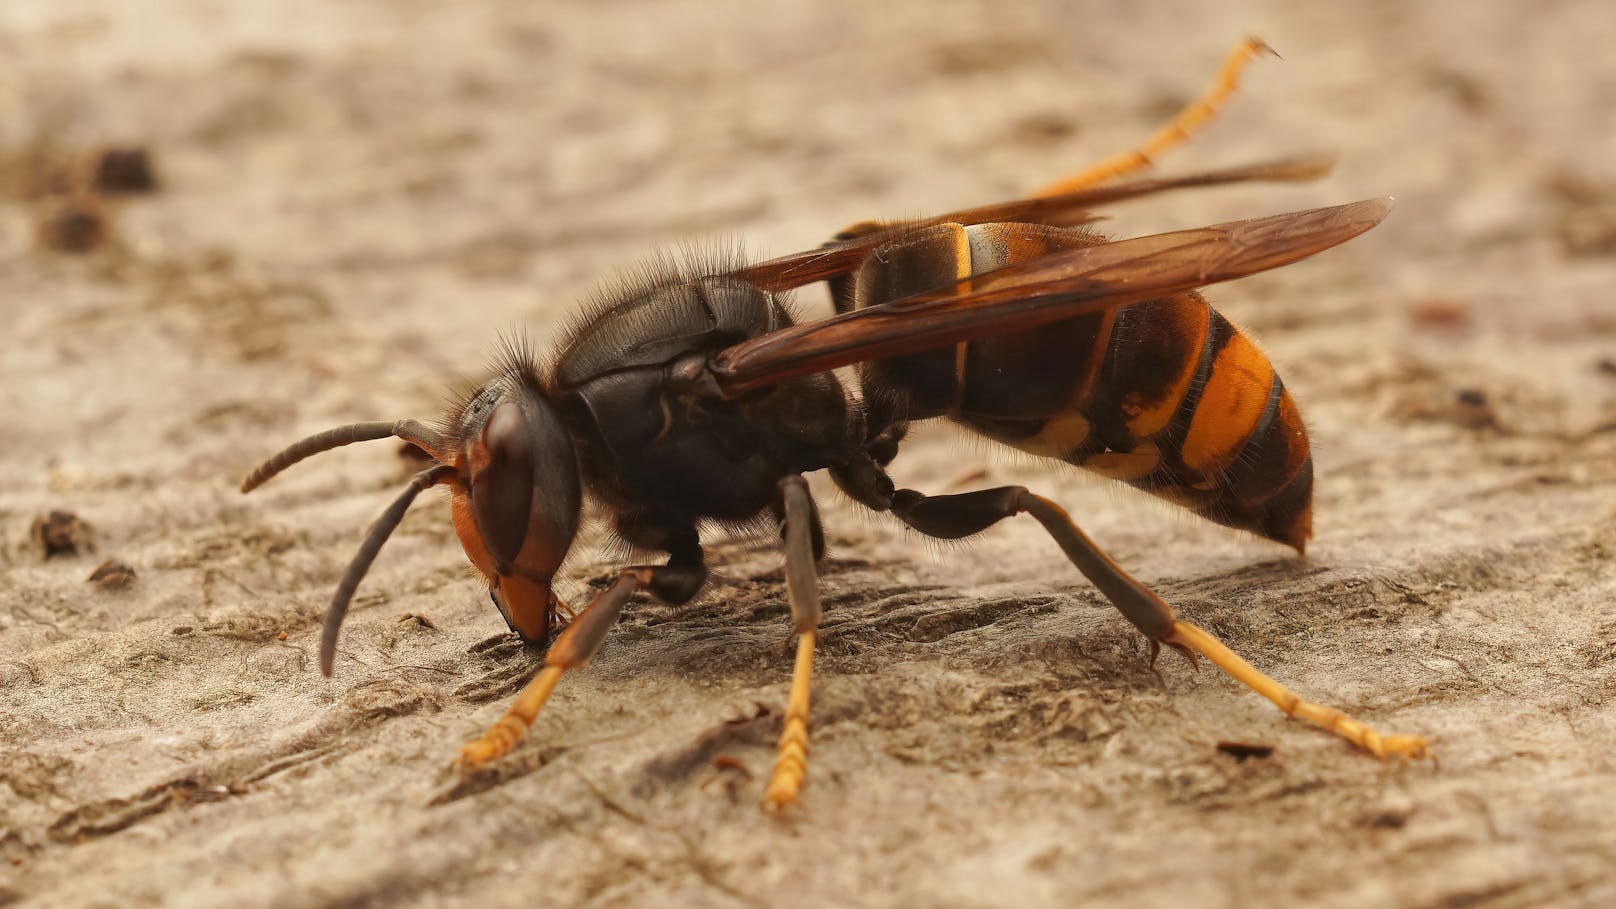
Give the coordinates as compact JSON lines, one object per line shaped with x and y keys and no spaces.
{"x":527,"y":603}
{"x":515,"y":506}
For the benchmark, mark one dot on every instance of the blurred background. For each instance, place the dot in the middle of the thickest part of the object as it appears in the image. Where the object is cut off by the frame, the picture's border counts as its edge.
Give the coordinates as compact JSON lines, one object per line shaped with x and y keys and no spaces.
{"x":225,"y":225}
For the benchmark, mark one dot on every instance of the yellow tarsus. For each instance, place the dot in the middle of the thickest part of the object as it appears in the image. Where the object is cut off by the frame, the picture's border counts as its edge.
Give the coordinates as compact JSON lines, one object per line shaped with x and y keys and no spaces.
{"x":791,"y":767}
{"x":1185,"y":635}
{"x":510,"y":728}
{"x":1186,"y":122}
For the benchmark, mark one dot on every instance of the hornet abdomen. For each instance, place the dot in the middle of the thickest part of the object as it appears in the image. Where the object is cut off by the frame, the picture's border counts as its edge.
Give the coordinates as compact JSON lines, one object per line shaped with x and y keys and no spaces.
{"x":1165,"y":395}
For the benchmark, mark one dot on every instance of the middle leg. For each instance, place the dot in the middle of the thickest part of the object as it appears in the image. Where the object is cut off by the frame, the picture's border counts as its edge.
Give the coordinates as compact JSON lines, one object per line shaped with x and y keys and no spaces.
{"x":804,"y":544}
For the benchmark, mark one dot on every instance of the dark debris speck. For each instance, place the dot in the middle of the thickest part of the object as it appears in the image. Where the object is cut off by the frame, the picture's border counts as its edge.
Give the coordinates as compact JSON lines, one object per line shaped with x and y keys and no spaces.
{"x":61,"y":533}
{"x":1243,"y":751}
{"x":124,"y":169}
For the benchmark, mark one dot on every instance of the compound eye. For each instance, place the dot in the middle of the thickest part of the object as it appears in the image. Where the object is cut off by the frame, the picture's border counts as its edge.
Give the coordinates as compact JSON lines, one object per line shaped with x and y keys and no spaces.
{"x":502,"y":484}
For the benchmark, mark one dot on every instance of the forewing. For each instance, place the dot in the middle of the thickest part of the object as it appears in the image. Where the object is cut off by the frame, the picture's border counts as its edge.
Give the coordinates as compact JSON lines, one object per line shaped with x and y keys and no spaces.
{"x":1066,"y":210}
{"x":1026,"y":295}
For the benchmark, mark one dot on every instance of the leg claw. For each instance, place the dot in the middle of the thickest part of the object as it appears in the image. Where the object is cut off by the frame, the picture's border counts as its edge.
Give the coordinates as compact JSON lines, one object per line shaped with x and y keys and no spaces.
{"x":484,"y":750}
{"x":778,"y":803}
{"x":1411,"y":747}
{"x":1182,"y":648}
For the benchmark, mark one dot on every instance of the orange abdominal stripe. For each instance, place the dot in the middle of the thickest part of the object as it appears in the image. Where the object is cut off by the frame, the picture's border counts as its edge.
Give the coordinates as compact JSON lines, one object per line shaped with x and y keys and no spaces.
{"x":1175,"y":334}
{"x":1232,"y":402}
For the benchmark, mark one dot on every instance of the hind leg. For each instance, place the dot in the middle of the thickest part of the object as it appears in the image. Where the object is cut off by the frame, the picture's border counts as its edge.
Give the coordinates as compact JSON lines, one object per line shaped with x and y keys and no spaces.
{"x":954,"y":516}
{"x":1188,"y":120}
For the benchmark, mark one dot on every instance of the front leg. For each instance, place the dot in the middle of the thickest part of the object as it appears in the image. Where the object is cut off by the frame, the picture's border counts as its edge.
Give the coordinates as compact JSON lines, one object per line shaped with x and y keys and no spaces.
{"x":571,"y":650}
{"x":675,"y":582}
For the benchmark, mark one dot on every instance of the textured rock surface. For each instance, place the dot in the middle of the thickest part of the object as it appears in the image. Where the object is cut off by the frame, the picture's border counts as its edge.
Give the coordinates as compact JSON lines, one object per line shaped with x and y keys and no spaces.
{"x":354,"y":199}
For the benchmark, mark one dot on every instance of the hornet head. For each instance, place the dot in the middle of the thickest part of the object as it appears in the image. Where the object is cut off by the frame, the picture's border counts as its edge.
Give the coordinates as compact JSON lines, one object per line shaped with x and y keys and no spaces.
{"x":513,"y":485}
